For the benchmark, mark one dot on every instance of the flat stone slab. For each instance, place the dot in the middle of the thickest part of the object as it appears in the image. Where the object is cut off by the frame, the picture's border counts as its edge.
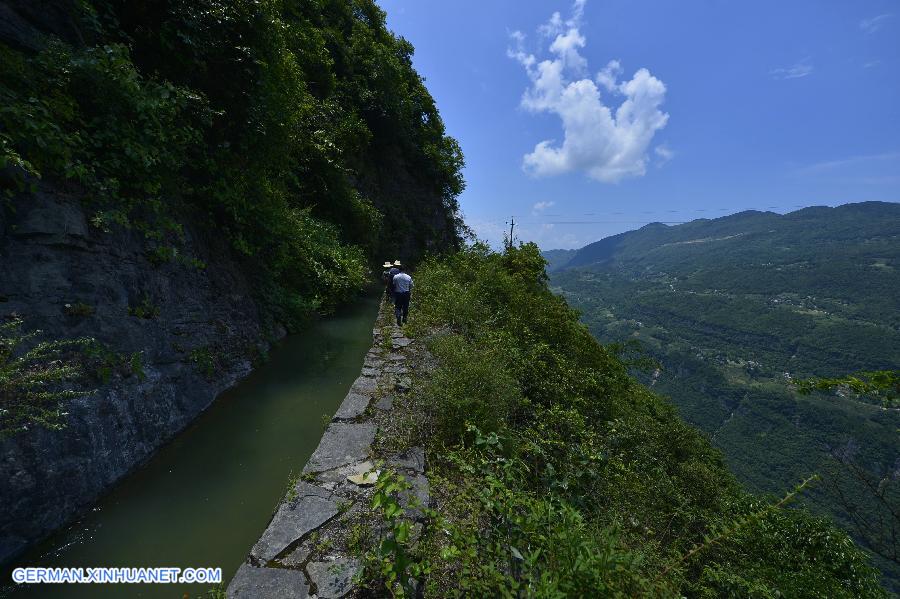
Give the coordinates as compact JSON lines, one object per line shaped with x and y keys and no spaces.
{"x":342,"y":443}
{"x":386,"y":403}
{"x":271,"y":583}
{"x":339,"y":475}
{"x":310,"y":510}
{"x":372,"y":364}
{"x":420,"y":490}
{"x":333,"y":579}
{"x":411,"y":459}
{"x":353,"y":406}
{"x":295,"y":558}
{"x":395,"y":368}
{"x":403,"y":384}
{"x":399,"y":342}
{"x":364,"y":384}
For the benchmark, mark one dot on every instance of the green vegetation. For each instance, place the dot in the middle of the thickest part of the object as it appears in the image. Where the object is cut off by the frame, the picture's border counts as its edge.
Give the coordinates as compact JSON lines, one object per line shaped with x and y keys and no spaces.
{"x":869,"y":499}
{"x":558,"y":474}
{"x":297,"y":130}
{"x":38,"y":378}
{"x":79,"y":309}
{"x":36,"y":382}
{"x":393,"y":562}
{"x":290,"y":493}
{"x":102,"y":363}
{"x":737,"y":309}
{"x":203,"y":359}
{"x":145,"y":309}
{"x":882,"y":386}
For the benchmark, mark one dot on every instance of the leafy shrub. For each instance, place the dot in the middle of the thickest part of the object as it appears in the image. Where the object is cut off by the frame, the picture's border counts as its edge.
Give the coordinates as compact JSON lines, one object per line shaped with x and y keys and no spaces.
{"x":394,"y":561}
{"x":36,"y":379}
{"x":471,"y":385}
{"x":79,"y":309}
{"x":560,"y":475}
{"x":202,"y":358}
{"x":88,"y":116}
{"x":145,"y":309}
{"x":882,"y":386}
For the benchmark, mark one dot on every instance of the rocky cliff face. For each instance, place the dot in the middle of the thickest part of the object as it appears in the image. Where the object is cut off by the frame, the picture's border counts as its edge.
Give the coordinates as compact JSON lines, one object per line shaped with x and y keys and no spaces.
{"x":49,"y":257}
{"x":24,"y":23}
{"x":415,"y":219}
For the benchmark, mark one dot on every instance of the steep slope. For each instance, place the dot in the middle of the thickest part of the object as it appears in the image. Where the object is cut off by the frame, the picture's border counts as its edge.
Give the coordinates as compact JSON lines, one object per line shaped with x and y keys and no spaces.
{"x":552,"y":472}
{"x":557,"y":259}
{"x":734,"y":307}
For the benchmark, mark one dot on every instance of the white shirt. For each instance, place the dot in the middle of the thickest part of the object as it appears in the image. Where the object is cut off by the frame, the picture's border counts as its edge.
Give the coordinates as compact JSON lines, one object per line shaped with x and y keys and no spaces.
{"x":402,"y":283}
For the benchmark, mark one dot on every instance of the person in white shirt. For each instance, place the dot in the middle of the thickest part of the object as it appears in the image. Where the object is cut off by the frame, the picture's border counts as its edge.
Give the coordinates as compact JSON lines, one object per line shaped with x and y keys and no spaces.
{"x":402,"y":284}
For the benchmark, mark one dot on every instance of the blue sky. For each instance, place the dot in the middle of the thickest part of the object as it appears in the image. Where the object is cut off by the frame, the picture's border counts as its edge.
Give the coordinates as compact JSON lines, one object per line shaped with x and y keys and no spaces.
{"x":659,"y":111}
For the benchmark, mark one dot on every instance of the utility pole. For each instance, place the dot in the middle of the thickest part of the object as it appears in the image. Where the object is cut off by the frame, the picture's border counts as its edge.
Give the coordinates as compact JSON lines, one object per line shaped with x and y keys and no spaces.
{"x":512,"y":224}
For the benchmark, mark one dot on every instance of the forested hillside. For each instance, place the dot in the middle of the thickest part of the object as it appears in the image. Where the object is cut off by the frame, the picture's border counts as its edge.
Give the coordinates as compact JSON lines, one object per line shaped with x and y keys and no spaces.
{"x":734,"y":309}
{"x":556,"y":474}
{"x":298,"y":130}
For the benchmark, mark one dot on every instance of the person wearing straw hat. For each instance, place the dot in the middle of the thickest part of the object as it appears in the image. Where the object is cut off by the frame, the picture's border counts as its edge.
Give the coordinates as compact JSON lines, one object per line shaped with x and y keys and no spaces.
{"x":386,"y":279}
{"x":395,"y":269}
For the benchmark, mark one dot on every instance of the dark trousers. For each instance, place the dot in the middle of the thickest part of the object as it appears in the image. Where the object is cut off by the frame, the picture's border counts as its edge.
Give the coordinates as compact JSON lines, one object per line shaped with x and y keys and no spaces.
{"x":401,"y":306}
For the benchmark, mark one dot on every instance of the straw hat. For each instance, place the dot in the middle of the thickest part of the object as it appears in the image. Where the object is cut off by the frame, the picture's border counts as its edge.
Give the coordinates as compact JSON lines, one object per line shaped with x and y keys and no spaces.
{"x":396,"y":263}
{"x":386,"y":265}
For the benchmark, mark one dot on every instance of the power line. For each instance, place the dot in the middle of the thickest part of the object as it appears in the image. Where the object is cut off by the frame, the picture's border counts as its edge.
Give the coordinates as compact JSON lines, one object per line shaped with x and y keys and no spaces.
{"x":574,"y":217}
{"x":601,"y":222}
{"x":575,"y":220}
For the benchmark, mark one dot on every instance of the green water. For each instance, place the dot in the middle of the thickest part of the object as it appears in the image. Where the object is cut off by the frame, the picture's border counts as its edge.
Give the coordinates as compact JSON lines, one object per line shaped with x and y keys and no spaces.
{"x":205,"y":498}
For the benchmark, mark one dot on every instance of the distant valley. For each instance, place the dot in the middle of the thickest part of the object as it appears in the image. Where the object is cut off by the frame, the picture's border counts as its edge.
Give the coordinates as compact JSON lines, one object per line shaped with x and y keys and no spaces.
{"x":735,"y":308}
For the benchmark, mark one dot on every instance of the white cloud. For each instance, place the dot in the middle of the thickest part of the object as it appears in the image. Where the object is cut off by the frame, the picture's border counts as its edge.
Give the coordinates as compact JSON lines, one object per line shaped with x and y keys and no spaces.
{"x":663,"y":154}
{"x":873,"y":24}
{"x":608,"y":145}
{"x":868,"y":169}
{"x":796,"y":71}
{"x":608,"y":76}
{"x":551,"y":27}
{"x":865,"y":161}
{"x":541,"y":206}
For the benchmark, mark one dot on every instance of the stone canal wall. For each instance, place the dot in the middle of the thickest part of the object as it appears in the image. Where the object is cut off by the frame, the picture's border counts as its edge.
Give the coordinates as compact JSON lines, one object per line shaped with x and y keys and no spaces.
{"x":307,"y":550}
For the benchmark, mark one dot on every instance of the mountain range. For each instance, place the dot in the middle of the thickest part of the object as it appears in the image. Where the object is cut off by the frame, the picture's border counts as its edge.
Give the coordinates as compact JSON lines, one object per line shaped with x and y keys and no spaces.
{"x":734,"y":309}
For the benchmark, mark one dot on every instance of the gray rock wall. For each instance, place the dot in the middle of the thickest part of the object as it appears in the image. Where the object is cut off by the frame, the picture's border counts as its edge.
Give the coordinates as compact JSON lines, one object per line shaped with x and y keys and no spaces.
{"x":49,"y":257}
{"x":24,"y":24}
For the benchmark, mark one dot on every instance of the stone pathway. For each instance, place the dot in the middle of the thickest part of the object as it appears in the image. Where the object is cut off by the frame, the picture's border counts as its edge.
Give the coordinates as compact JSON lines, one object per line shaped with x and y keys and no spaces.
{"x":307,"y":550}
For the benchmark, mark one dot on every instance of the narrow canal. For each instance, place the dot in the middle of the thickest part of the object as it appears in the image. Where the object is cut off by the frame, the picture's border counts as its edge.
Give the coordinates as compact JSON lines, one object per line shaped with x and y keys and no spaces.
{"x":204,"y":499}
